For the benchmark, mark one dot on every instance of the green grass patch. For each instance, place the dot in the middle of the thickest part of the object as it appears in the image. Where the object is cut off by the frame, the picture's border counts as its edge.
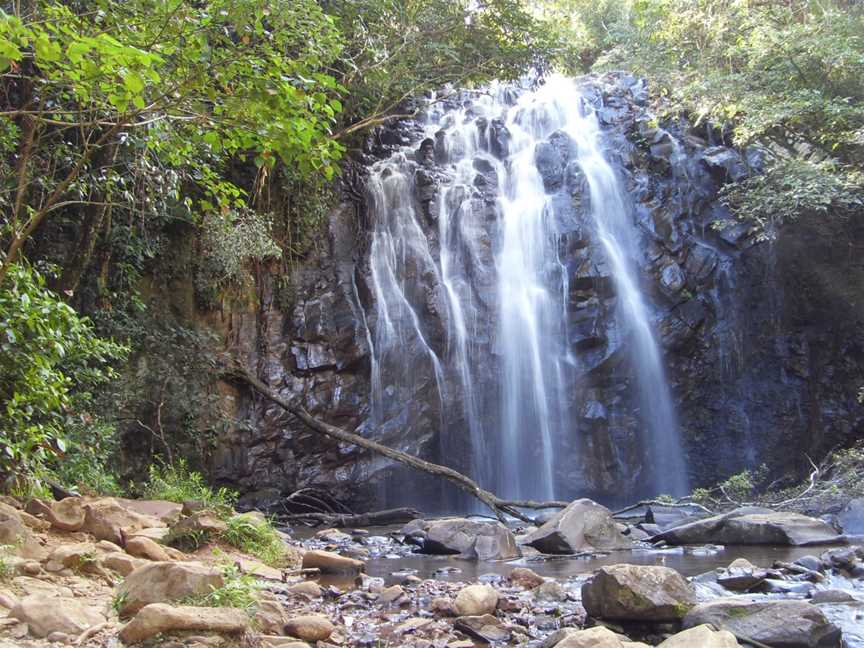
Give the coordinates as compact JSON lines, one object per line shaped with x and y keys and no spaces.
{"x":177,"y":483}
{"x":238,"y":591}
{"x":257,"y":538}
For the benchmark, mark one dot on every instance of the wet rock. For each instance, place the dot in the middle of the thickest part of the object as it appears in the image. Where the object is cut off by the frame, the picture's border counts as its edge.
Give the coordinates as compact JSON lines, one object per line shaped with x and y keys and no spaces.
{"x":725,"y":163}
{"x":159,"y":582}
{"x":46,"y":614}
{"x":332,"y":563}
{"x":476,"y":600}
{"x":310,"y":627}
{"x":308,"y":589}
{"x":741,"y":575}
{"x":527,"y":578}
{"x":851,"y":518}
{"x":637,"y":593}
{"x":486,"y":628}
{"x":468,"y":538}
{"x":550,"y":591}
{"x":832,"y":596}
{"x":784,"y":624}
{"x":583,"y":525}
{"x":810,"y":562}
{"x":748,"y":526}
{"x":442,"y":606}
{"x":702,"y":636}
{"x":158,"y":618}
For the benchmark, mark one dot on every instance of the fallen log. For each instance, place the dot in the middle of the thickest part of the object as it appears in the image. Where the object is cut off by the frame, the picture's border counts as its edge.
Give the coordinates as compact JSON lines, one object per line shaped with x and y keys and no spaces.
{"x":500,"y":507}
{"x":374,"y":518}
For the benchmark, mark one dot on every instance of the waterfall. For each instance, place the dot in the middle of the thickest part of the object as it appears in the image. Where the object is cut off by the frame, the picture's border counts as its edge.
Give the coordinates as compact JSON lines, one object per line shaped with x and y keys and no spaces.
{"x":470,"y":279}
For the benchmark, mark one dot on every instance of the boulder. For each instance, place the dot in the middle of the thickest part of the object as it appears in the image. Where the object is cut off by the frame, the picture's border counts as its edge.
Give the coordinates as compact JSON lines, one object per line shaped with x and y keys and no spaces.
{"x":550,"y":591}
{"x":597,"y":637}
{"x":157,"y":618}
{"x":26,"y":519}
{"x":143,"y":547}
{"x":71,"y":556}
{"x":702,"y":636}
{"x":121,"y":563}
{"x":270,"y":617}
{"x":753,"y":526}
{"x":468,"y":538}
{"x":67,"y":514}
{"x":778,"y":623}
{"x":637,"y":593}
{"x":165,"y":512}
{"x":12,"y":530}
{"x":583,"y":525}
{"x":159,"y":582}
{"x":107,"y":519}
{"x":332,"y":563}
{"x":46,"y":614}
{"x":310,"y":627}
{"x":526,"y":578}
{"x":851,"y":518}
{"x":476,"y":600}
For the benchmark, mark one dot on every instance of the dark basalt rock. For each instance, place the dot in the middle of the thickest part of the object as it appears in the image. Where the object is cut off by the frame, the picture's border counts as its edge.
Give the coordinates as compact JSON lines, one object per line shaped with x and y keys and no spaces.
{"x":762,"y":339}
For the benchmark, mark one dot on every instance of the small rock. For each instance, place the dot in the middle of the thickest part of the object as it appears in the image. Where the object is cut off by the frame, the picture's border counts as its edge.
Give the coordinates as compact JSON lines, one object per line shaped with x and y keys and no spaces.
{"x":703,"y":636}
{"x":526,"y":578}
{"x":309,"y":589}
{"x":741,"y":575}
{"x":121,"y":563}
{"x":550,"y":591}
{"x":476,"y":600}
{"x":486,"y":628}
{"x":332,"y":563}
{"x":46,"y":614}
{"x":310,"y":628}
{"x":59,"y":637}
{"x":7,"y":599}
{"x":107,"y":546}
{"x":333,"y":535}
{"x":158,"y":618}
{"x":144,"y":547}
{"x":270,"y":616}
{"x":832,"y":596}
{"x":202,"y":522}
{"x":443,"y":606}
{"x":391,"y":595}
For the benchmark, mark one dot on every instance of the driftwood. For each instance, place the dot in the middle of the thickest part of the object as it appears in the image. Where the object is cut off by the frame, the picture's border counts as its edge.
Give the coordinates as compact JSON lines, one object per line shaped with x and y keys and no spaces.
{"x":681,"y":503}
{"x":375,"y":518}
{"x":500,"y":507}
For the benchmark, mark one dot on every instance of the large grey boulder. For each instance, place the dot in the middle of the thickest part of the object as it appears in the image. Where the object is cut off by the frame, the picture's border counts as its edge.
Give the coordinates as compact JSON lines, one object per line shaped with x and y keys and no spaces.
{"x":637,"y":593}
{"x":583,"y":525}
{"x":754,"y":526}
{"x":468,"y":538}
{"x":777,"y":623}
{"x":851,"y":518}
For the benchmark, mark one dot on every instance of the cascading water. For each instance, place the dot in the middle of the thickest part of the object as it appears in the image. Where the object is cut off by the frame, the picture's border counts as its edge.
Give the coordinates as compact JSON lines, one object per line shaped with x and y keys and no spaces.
{"x":483,"y":259}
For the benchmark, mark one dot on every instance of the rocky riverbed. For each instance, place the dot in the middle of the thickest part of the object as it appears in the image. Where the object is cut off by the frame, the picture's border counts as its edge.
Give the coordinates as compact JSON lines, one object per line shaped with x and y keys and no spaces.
{"x":98,"y":572}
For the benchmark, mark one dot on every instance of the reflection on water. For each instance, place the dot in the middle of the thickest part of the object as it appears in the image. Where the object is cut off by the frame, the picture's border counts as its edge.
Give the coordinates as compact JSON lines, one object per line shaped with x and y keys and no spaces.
{"x":688,"y":561}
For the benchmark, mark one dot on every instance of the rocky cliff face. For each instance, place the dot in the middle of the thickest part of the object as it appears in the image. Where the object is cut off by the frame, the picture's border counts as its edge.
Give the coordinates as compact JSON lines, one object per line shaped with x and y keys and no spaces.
{"x":761,"y":338}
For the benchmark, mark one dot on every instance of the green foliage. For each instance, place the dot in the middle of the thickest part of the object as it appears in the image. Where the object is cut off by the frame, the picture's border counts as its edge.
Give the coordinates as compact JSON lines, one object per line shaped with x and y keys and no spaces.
{"x":178,"y":483}
{"x":51,"y":361}
{"x":793,"y":188}
{"x":788,"y":77}
{"x":6,"y":569}
{"x":238,"y":591}
{"x":256,"y":538}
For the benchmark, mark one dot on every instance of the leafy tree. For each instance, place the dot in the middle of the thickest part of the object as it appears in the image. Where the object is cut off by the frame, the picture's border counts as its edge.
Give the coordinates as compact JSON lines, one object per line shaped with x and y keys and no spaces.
{"x":51,"y":362}
{"x":788,"y":77}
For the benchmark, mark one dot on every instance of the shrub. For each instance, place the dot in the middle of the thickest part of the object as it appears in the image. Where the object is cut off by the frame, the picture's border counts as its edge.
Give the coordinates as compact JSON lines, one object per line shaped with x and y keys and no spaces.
{"x":257,"y":538}
{"x":50,"y":361}
{"x":177,"y":483}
